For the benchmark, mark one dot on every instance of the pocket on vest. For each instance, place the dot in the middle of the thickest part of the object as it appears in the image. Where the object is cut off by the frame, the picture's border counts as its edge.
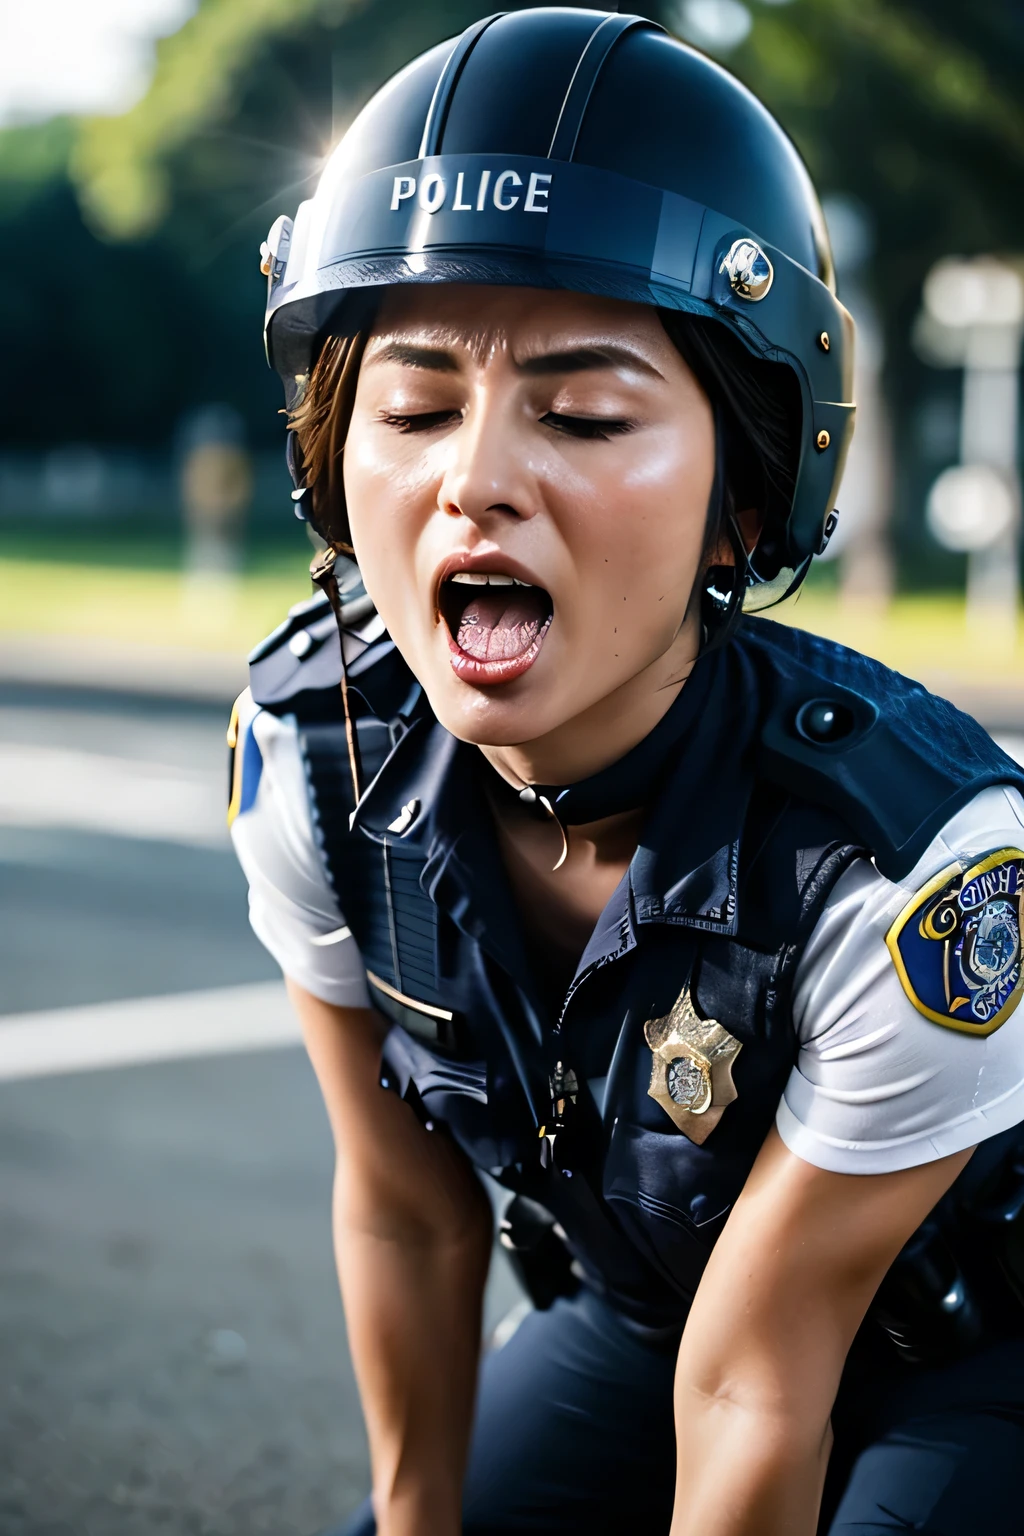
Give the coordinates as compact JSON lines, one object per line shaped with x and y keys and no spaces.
{"x":670,"y":1196}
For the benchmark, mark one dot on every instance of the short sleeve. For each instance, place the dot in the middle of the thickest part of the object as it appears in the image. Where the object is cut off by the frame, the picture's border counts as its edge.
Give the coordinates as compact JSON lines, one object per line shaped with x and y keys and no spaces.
{"x":879,"y":1084}
{"x":292,"y":908}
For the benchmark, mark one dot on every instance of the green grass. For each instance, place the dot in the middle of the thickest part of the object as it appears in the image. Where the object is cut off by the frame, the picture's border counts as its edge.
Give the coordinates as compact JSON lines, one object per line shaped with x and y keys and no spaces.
{"x":147,"y":599}
{"x":134,"y":591}
{"x":923,"y":635}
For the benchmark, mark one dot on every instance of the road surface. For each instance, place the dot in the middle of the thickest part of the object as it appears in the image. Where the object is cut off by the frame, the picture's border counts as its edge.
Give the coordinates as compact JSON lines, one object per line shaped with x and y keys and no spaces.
{"x":173,"y":1347}
{"x":174,"y":1359}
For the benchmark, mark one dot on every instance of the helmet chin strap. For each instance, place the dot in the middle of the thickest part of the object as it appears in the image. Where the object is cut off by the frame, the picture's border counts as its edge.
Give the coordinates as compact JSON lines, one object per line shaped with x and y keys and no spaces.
{"x":719,"y":589}
{"x":323,"y":575}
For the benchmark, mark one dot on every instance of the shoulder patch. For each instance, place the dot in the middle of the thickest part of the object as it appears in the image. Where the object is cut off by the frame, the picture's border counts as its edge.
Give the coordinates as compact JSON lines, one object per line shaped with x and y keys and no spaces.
{"x":956,"y":945}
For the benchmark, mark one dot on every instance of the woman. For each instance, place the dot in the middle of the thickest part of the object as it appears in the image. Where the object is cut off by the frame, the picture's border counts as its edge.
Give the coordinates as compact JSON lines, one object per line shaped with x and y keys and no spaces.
{"x":699,"y":935}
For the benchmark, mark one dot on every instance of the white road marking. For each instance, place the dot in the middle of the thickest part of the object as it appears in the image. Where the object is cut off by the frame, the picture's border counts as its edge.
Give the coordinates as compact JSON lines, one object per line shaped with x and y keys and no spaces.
{"x":214,"y":1022}
{"x":48,"y":786}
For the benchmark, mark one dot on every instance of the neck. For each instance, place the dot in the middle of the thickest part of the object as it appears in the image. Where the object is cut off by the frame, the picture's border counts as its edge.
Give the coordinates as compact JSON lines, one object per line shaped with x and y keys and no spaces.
{"x":604,"y":732}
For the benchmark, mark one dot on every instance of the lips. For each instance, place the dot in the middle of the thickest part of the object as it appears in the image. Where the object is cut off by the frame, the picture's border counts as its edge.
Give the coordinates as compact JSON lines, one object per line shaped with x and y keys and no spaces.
{"x":496,"y":624}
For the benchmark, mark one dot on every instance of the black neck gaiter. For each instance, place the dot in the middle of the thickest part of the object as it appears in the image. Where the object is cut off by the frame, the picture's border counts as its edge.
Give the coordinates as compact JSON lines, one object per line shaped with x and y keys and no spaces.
{"x":635,"y":779}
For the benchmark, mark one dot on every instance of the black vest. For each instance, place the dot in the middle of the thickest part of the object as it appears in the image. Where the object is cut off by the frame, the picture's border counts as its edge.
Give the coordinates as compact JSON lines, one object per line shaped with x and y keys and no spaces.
{"x":808,"y":757}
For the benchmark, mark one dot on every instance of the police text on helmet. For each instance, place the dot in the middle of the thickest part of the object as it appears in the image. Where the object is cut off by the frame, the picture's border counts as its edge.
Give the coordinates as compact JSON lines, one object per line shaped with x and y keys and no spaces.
{"x":431,"y":192}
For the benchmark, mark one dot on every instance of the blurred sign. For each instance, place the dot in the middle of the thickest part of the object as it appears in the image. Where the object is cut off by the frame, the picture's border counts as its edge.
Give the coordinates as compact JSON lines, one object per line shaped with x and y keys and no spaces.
{"x":862,"y":544}
{"x":216,"y":490}
{"x":960,"y":294}
{"x":717,"y":25}
{"x":970,"y":507}
{"x":973,"y":318}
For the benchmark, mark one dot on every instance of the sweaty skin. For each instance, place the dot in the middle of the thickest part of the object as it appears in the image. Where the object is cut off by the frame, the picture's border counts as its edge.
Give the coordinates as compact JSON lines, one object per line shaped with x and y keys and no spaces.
{"x":560,"y":441}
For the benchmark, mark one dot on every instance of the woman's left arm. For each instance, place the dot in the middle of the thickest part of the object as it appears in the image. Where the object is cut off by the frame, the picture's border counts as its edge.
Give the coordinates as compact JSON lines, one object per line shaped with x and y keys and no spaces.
{"x":786,"y":1288}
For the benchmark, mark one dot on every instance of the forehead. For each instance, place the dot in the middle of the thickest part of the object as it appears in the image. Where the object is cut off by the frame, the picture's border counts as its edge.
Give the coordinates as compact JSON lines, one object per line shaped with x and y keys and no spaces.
{"x":483,"y":320}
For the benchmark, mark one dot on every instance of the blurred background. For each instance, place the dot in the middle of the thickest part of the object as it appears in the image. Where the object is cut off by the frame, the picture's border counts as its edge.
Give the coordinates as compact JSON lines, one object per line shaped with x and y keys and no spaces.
{"x":173,"y":1346}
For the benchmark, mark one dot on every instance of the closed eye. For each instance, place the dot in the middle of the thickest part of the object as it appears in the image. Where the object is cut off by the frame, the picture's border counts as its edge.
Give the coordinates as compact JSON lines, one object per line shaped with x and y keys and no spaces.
{"x":424,"y":421}
{"x":587,"y":427}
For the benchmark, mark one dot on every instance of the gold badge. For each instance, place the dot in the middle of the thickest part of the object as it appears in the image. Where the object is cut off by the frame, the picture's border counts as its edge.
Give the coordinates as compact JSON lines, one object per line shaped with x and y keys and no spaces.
{"x":691,"y":1074}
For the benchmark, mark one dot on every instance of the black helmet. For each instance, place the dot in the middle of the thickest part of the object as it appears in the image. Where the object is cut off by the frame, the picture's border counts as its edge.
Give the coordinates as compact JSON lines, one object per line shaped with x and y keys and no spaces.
{"x":558,"y":148}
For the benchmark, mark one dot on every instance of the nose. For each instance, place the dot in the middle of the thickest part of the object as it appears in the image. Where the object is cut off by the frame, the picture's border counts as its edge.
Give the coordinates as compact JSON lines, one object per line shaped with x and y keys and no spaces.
{"x":487,"y":476}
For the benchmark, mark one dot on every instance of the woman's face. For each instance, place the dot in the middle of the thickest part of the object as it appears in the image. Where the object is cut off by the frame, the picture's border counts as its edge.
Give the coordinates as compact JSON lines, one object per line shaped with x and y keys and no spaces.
{"x":527,"y":476}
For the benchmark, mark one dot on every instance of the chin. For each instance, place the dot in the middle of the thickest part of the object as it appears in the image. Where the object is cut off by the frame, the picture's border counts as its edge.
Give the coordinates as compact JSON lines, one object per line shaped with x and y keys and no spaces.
{"x":505,"y":716}
{"x":498,"y":715}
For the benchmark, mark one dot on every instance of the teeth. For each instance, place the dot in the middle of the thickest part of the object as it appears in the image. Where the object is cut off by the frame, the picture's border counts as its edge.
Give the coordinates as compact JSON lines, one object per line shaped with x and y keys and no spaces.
{"x":487,"y":579}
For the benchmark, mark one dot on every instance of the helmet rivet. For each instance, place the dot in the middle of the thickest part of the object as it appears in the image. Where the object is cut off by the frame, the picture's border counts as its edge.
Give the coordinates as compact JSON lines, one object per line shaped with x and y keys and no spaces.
{"x":822,"y":440}
{"x":823,"y":341}
{"x":748,"y":269}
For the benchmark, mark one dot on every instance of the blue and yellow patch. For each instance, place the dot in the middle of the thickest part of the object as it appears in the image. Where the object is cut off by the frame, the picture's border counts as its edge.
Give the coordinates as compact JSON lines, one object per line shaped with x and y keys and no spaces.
{"x":957,"y":945}
{"x":245,"y":765}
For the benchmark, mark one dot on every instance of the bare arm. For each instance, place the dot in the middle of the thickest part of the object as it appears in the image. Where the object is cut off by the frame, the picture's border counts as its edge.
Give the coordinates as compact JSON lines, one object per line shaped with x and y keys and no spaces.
{"x":412,"y":1233}
{"x":787,"y":1287}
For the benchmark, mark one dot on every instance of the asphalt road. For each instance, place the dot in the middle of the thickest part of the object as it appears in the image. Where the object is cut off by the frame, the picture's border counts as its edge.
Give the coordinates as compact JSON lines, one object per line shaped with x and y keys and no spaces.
{"x":116,"y":874}
{"x":174,"y":1358}
{"x":173,"y":1350}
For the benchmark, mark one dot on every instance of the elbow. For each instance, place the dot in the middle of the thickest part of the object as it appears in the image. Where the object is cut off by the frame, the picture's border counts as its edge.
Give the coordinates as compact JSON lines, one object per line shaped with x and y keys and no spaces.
{"x":785,"y":1413}
{"x":418,"y":1213}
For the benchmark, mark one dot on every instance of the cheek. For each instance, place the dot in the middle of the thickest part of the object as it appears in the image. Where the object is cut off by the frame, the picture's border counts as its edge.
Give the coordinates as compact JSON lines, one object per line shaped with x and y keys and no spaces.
{"x":673,"y":480}
{"x":647,"y":515}
{"x":390,"y":492}
{"x":384,"y":481}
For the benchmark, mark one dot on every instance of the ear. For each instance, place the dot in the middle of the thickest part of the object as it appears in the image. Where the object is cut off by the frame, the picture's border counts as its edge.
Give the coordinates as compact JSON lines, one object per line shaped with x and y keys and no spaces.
{"x":749,"y":522}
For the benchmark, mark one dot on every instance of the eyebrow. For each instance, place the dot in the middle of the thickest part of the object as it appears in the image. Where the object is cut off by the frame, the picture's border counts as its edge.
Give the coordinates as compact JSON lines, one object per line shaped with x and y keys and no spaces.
{"x":571,"y":360}
{"x":439,"y":359}
{"x":581,"y":359}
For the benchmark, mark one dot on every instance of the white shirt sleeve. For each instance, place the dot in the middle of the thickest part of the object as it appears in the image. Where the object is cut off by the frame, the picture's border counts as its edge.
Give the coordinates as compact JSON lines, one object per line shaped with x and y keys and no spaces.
{"x":877,"y":1086}
{"x":292,"y":908}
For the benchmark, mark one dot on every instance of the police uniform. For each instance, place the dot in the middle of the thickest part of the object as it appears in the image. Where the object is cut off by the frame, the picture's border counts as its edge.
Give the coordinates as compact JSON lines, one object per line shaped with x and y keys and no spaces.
{"x":820,"y":927}
{"x":803,"y":834}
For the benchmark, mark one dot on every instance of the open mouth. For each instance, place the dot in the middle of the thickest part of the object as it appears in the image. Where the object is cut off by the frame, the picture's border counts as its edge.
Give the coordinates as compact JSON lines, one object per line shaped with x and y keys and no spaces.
{"x":496,"y":624}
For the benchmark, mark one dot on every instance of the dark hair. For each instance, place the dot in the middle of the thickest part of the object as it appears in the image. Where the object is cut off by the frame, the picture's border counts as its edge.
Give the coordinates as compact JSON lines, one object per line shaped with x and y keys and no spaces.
{"x":757,"y":412}
{"x":320,"y":422}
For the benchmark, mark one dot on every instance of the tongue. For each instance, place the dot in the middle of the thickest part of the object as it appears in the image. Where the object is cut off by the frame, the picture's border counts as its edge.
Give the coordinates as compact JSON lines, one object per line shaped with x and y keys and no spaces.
{"x":500,"y":624}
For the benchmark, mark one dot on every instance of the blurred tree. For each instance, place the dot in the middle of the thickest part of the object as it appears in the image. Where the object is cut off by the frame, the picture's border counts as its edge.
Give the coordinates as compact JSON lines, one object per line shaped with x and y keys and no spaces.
{"x":913,"y":108}
{"x":132,"y":287}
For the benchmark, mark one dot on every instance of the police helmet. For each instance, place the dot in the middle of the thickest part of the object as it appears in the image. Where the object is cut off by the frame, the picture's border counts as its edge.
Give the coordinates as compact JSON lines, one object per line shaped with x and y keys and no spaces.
{"x":576,"y":149}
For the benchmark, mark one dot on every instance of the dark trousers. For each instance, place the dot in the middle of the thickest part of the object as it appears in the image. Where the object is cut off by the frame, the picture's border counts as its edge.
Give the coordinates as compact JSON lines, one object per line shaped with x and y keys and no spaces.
{"x":574,"y":1432}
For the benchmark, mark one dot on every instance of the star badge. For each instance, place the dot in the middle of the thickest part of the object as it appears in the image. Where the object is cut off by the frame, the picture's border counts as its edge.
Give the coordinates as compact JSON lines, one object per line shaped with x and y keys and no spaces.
{"x":691,"y":1071}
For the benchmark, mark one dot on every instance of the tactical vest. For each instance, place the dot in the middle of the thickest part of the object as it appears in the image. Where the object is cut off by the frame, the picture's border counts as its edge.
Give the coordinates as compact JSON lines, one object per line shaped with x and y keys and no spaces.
{"x":813,"y":756}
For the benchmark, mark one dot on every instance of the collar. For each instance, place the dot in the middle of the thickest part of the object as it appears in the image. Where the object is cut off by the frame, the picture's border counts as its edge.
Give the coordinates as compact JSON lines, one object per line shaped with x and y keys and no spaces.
{"x":686,"y":868}
{"x":428,"y":796}
{"x":636,"y":778}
